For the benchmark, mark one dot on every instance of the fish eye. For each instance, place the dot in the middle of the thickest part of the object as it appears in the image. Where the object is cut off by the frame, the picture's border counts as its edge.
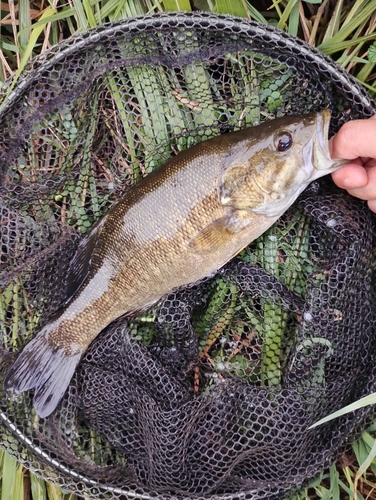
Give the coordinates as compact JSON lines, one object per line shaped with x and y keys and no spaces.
{"x":283,"y":141}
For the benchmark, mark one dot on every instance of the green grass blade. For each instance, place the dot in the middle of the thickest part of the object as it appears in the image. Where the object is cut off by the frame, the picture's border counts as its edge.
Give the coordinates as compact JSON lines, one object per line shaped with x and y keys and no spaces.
{"x":371,"y":88}
{"x":33,"y":39}
{"x":282,"y":23}
{"x":356,"y":8}
{"x":334,"y":22}
{"x":81,"y":15}
{"x":55,"y":493}
{"x":367,"y":400}
{"x":114,"y":10}
{"x":346,"y":30}
{"x":294,"y":19}
{"x":350,"y":56}
{"x":51,"y":16}
{"x":255,"y":14}
{"x":237,"y":8}
{"x":24,"y":24}
{"x":38,"y":488}
{"x":367,"y":463}
{"x":364,"y":73}
{"x":365,"y":452}
{"x":8,"y":46}
{"x":89,"y":13}
{"x":122,"y":9}
{"x":337,"y":46}
{"x":12,"y":481}
{"x":171,"y":5}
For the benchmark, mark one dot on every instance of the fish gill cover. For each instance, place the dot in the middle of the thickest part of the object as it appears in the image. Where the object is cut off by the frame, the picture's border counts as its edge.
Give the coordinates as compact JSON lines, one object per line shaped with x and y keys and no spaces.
{"x":210,"y":393}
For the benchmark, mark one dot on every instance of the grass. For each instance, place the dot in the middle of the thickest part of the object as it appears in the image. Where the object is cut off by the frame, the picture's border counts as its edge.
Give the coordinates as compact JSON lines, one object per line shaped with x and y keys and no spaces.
{"x":344,"y":30}
{"x":17,"y":483}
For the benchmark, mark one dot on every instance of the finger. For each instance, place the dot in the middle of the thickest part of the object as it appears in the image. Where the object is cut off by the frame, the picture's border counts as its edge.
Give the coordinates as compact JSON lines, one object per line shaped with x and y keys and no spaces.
{"x":369,"y":163}
{"x":372,"y":205}
{"x":356,"y":138}
{"x":351,"y":176}
{"x":367,"y":192}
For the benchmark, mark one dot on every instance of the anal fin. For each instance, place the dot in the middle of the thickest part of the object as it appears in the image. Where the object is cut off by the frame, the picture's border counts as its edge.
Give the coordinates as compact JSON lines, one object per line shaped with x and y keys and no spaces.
{"x":80,"y":266}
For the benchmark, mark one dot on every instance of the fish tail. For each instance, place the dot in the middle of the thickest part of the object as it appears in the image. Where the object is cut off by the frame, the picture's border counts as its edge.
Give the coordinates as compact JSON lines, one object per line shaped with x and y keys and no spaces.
{"x":44,"y":367}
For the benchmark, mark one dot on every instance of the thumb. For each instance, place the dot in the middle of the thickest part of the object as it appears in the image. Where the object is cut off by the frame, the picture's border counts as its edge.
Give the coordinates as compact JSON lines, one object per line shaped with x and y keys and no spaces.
{"x":356,"y":138}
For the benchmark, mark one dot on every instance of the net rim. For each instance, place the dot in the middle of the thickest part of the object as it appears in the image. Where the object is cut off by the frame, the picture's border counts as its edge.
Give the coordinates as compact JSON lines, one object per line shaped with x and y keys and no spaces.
{"x":173,"y":20}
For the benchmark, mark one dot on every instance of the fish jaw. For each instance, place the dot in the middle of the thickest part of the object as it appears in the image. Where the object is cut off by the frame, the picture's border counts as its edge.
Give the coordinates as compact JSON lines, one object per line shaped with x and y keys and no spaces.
{"x":320,"y":153}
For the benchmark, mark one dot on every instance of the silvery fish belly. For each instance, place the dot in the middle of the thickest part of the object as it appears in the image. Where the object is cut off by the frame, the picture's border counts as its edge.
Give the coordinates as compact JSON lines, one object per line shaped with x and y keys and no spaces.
{"x":179,"y":224}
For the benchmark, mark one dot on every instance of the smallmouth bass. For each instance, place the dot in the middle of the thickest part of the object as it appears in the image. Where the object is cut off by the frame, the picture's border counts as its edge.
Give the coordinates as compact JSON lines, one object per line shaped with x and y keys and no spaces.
{"x":181,"y":223}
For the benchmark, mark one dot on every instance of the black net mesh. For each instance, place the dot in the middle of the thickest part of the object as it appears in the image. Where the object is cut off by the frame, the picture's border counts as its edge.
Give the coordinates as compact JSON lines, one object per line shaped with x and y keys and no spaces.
{"x":285,"y":332}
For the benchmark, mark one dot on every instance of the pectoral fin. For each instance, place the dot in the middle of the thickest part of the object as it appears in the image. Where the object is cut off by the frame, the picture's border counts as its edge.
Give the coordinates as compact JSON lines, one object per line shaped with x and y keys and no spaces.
{"x":221,"y":231}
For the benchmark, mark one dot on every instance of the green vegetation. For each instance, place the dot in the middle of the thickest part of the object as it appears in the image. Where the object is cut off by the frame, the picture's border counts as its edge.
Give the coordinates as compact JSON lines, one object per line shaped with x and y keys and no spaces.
{"x":344,"y":30}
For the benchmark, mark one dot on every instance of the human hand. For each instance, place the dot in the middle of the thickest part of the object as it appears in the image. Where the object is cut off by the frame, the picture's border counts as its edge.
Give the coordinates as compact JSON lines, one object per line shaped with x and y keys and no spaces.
{"x":356,"y":141}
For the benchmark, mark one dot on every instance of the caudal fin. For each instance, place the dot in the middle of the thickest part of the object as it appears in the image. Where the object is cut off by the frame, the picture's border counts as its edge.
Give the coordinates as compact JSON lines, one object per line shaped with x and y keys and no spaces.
{"x":45,"y":368}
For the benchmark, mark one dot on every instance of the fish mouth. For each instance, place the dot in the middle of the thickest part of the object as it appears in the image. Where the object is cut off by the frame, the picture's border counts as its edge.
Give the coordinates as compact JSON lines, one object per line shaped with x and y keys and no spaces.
{"x":321,"y":159}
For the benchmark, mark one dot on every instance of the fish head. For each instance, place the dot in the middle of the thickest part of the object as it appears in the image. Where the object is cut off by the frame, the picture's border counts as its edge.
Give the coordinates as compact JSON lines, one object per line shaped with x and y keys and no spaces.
{"x":277,"y":162}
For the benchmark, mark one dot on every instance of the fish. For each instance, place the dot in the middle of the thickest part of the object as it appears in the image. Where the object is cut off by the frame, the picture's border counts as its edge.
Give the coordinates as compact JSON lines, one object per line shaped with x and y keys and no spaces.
{"x":179,"y":224}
